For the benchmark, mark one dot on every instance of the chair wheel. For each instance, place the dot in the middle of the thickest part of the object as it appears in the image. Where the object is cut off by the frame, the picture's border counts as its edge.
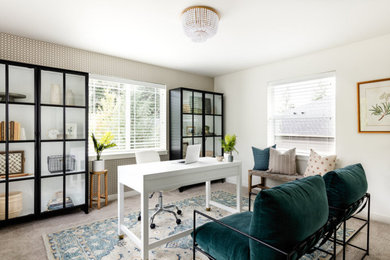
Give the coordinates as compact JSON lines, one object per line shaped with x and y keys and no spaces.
{"x":139,"y":218}
{"x":178,"y":221}
{"x":152,"y":226}
{"x":179,"y":212}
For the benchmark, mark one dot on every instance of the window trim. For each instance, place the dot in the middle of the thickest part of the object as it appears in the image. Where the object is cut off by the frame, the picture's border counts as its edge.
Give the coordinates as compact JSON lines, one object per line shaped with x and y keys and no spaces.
{"x":271,"y":84}
{"x":131,"y":153}
{"x":123,"y":155}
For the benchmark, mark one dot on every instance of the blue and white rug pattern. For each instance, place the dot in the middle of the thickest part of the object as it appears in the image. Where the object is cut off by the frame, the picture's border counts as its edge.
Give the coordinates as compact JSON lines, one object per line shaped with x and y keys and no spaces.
{"x":99,"y":240}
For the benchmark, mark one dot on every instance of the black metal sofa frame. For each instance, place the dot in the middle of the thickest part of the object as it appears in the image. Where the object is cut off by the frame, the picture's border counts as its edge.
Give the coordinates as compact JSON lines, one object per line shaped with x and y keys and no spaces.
{"x":300,"y":249}
{"x":327,"y":232}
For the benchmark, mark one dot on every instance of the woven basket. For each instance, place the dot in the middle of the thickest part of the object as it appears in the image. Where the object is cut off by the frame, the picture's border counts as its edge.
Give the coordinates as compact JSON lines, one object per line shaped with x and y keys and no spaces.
{"x":15,"y":204}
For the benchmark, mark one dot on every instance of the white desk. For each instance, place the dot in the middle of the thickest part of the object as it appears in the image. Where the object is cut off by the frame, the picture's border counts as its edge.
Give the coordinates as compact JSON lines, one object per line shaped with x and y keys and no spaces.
{"x":150,"y":177}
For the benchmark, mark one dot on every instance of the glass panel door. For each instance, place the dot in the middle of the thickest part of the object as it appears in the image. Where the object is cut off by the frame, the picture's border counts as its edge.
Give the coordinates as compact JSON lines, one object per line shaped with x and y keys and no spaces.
{"x":198,"y":125}
{"x":209,"y":146}
{"x":2,"y":83}
{"x":52,"y":88}
{"x":21,"y":84}
{"x":187,"y":101}
{"x":74,"y":90}
{"x":75,"y":157}
{"x":198,"y":102}
{"x":218,"y":104}
{"x":52,"y":127}
{"x":188,"y":128}
{"x":208,"y":104}
{"x":52,"y":193}
{"x":20,"y":198}
{"x":218,"y":125}
{"x":75,"y":190}
{"x":21,"y":160}
{"x":75,"y":123}
{"x":52,"y":156}
{"x":21,"y":122}
{"x":218,"y":146}
{"x":209,"y":125}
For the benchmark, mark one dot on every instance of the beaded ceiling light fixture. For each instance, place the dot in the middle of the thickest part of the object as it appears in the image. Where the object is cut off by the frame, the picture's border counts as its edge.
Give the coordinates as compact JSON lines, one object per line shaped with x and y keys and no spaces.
{"x":200,"y":22}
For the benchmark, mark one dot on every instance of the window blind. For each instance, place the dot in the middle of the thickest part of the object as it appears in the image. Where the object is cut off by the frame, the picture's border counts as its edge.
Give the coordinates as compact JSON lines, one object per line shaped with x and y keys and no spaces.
{"x":302,"y":114}
{"x":134,"y":112}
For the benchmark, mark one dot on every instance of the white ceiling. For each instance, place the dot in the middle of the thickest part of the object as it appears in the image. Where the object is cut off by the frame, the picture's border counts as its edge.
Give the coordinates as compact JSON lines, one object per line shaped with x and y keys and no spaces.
{"x":251,"y":32}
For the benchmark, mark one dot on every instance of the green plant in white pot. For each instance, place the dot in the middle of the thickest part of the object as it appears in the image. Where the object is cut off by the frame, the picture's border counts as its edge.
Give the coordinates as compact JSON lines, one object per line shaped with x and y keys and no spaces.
{"x":104,"y":143}
{"x":228,"y":144}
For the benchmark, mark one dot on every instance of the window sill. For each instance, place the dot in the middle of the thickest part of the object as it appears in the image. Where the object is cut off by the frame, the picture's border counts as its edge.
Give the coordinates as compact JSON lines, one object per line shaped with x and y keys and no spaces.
{"x":124,"y":155}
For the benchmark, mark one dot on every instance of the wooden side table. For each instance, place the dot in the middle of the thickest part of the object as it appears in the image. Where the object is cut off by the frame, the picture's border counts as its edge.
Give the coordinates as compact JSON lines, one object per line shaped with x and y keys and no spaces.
{"x":98,"y":194}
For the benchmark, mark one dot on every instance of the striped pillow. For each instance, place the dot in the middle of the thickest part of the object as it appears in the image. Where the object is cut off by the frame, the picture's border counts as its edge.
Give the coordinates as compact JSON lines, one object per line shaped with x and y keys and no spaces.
{"x":282,"y":163}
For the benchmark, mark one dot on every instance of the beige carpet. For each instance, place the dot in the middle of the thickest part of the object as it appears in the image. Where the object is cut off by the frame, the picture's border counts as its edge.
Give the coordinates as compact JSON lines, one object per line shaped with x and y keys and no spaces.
{"x":24,"y":241}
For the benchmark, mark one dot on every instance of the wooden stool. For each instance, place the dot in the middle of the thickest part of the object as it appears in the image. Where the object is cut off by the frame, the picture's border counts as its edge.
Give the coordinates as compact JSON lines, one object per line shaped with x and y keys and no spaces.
{"x":99,"y":195}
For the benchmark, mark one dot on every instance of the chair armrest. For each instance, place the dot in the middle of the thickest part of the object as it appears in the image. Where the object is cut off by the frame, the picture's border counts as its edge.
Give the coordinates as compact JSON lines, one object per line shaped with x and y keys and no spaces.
{"x":323,"y":232}
{"x":235,"y":230}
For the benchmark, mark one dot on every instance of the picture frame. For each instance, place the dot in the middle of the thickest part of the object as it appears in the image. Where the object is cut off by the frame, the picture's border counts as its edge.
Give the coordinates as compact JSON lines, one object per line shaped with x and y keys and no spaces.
{"x":71,"y":130}
{"x":374,"y":106}
{"x":15,"y":162}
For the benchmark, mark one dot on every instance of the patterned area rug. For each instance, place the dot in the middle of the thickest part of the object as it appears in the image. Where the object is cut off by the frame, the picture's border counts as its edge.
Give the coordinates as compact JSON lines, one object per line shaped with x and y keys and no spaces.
{"x":99,"y":240}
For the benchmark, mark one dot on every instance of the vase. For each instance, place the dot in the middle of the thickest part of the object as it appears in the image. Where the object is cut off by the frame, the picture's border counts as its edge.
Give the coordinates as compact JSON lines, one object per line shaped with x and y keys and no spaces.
{"x":55,"y":94}
{"x":98,"y":165}
{"x":69,"y":97}
{"x":230,"y":157}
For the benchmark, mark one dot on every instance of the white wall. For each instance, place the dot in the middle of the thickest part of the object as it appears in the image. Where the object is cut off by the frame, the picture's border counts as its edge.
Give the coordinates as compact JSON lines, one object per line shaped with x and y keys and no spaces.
{"x":246,"y":109}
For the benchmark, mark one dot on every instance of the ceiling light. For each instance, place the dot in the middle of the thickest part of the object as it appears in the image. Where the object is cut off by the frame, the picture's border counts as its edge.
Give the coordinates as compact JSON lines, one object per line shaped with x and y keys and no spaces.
{"x":200,"y":22}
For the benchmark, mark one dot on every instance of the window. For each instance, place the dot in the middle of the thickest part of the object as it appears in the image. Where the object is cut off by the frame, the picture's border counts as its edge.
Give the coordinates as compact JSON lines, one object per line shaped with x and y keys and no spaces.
{"x":134,"y":112}
{"x":302,"y":114}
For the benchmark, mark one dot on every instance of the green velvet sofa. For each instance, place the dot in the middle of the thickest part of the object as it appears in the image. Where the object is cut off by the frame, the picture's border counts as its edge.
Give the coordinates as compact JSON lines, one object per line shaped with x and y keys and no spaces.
{"x":346,"y":190}
{"x":287,"y":222}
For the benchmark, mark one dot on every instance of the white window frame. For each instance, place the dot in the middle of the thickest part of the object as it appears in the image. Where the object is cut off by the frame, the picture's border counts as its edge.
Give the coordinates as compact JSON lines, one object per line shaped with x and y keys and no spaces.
{"x":110,"y":155}
{"x":271,"y":84}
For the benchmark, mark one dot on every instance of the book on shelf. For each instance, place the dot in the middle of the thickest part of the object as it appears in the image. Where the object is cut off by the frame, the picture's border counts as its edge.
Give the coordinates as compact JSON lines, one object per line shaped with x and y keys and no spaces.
{"x":13,"y":131}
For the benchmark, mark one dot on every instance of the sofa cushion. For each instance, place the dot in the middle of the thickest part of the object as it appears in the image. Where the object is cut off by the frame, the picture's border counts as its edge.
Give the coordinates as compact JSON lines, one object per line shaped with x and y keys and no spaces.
{"x":286,"y":215}
{"x":282,"y":163}
{"x":345,"y":186}
{"x":223,"y":243}
{"x":261,"y":158}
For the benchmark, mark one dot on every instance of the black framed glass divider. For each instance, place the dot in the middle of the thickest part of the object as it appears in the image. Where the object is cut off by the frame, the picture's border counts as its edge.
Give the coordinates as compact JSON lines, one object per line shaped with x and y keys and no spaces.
{"x":196,"y":117}
{"x":43,"y":141}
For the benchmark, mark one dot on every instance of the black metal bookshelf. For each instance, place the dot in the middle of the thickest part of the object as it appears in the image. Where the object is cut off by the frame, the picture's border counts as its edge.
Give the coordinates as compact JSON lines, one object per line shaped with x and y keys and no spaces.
{"x":196,"y":117}
{"x":44,"y":115}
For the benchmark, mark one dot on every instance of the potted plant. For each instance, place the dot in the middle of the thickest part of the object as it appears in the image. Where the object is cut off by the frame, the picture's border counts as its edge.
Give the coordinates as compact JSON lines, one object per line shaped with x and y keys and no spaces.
{"x":228,"y":145}
{"x":104,"y":143}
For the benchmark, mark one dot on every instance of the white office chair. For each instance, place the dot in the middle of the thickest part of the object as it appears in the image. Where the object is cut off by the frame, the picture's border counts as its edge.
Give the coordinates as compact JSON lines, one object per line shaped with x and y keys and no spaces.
{"x":148,"y":157}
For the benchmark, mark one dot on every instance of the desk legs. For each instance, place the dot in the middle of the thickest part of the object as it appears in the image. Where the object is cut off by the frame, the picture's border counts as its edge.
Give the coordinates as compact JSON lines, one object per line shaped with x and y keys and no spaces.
{"x":208,"y":195}
{"x":120,"y":208}
{"x":144,"y":225}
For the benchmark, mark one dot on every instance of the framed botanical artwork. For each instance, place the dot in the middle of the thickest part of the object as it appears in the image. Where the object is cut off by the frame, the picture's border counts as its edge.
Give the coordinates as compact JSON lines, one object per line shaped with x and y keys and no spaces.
{"x":374,"y":106}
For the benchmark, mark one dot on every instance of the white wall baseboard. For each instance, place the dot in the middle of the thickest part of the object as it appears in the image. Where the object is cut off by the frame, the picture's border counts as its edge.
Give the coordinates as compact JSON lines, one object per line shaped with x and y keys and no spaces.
{"x":127,"y":195}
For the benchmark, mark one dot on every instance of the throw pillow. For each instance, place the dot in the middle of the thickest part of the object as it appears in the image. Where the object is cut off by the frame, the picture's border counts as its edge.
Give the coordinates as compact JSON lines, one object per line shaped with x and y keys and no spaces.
{"x":261,"y":158}
{"x":282,"y":163}
{"x":318,"y":164}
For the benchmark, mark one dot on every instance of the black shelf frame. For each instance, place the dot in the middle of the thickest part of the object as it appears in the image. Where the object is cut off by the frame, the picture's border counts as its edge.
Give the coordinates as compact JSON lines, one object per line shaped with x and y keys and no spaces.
{"x":37,"y":177}
{"x":176,"y":122}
